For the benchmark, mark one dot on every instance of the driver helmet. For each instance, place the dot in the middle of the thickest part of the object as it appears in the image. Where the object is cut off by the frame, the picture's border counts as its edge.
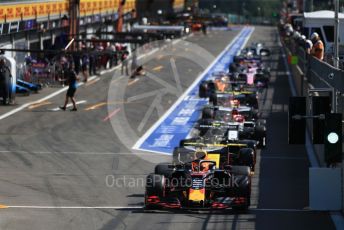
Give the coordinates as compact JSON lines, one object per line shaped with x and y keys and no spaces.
{"x":239,"y":118}
{"x":225,"y":79}
{"x":204,"y":166}
{"x":235,"y":112}
{"x":235,"y":103}
{"x":250,"y":54}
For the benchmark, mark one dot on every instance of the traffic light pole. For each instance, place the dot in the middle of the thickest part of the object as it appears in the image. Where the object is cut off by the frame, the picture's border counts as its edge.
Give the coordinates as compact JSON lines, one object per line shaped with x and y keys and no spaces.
{"x":326,"y":126}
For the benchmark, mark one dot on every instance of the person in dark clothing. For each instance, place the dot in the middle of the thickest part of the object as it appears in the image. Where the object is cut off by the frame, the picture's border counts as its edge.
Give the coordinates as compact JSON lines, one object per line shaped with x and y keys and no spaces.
{"x":76,"y":59}
{"x":125,"y":64}
{"x":5,"y":82}
{"x":92,"y":62}
{"x":84,"y":67}
{"x":72,"y":80}
{"x":204,"y":28}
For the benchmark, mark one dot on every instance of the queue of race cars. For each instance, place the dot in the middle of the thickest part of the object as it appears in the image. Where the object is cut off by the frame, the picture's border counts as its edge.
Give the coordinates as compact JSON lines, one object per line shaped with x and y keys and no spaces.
{"x":213,"y":168}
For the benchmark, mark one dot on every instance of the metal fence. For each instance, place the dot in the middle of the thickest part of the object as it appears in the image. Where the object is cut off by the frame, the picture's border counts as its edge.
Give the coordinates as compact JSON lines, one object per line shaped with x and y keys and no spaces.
{"x":317,"y":73}
{"x":322,"y":75}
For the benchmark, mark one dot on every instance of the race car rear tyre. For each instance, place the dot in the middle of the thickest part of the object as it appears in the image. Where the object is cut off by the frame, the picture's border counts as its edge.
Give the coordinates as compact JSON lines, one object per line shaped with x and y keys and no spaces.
{"x":163,"y":169}
{"x":255,"y":114}
{"x":261,"y":122}
{"x":253,"y":101}
{"x":241,"y":170}
{"x":213,"y":99}
{"x":233,"y":68}
{"x":260,"y":133}
{"x":246,"y":157}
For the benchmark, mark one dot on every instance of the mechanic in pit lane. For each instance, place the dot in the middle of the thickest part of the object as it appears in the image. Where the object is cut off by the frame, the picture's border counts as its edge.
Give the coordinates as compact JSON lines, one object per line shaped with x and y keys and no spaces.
{"x":72,"y":80}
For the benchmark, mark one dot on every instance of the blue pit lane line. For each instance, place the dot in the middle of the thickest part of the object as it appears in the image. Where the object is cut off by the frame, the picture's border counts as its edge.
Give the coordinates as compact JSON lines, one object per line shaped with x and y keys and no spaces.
{"x":178,"y":121}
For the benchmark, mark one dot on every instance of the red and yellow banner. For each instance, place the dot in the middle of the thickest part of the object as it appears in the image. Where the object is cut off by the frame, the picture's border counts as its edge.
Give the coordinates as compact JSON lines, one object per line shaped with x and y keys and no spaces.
{"x":89,"y":7}
{"x":14,"y":12}
{"x":28,"y":11}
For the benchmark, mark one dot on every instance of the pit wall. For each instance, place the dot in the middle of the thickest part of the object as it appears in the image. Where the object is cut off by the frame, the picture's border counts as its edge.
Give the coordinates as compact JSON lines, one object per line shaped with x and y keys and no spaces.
{"x":309,"y":73}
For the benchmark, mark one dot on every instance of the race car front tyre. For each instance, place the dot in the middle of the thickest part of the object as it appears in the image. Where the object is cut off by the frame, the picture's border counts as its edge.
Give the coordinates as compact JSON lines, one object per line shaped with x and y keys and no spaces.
{"x":246,"y":157}
{"x":243,"y":207}
{"x":243,"y":173}
{"x":260,"y":133}
{"x":155,"y":185}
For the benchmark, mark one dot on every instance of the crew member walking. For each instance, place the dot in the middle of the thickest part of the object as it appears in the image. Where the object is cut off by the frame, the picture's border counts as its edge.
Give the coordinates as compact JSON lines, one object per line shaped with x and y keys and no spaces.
{"x":5,"y":82}
{"x":72,"y":80}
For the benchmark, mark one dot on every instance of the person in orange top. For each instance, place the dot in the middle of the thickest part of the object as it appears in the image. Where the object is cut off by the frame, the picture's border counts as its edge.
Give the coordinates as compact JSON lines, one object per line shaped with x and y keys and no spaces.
{"x":318,"y":46}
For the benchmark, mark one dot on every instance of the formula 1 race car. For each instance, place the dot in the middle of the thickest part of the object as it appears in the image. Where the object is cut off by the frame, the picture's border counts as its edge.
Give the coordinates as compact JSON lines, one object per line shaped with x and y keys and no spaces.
{"x":230,"y":113}
{"x":260,"y":49}
{"x":198,"y":184}
{"x":234,"y":83}
{"x":235,"y":99}
{"x":234,"y":131}
{"x":254,"y":52}
{"x":224,"y":152}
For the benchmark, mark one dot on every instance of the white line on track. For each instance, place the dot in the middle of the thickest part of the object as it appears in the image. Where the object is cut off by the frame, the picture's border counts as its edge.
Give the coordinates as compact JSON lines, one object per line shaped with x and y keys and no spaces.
{"x":78,"y":153}
{"x":69,"y":105}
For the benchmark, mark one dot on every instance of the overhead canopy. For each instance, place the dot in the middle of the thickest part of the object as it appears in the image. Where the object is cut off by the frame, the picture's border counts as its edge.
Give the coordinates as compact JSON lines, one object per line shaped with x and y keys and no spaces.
{"x":322,"y":14}
{"x":158,"y":28}
{"x":321,"y":18}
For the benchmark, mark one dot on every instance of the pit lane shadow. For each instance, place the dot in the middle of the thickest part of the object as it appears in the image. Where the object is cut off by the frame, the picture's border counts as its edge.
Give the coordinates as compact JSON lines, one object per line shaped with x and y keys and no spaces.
{"x":136,"y":195}
{"x":188,"y":211}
